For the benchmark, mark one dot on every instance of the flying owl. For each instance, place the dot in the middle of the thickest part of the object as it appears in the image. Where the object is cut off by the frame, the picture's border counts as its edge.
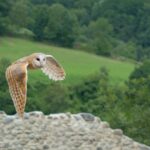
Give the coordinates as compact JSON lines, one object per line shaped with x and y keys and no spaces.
{"x":16,"y":75}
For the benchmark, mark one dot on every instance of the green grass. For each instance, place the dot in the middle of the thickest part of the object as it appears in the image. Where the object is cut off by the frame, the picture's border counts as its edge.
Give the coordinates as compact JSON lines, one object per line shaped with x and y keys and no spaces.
{"x":77,"y":64}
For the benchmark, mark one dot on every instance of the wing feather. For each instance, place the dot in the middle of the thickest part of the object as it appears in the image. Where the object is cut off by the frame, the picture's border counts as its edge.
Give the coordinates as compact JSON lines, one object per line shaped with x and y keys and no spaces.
{"x":53,"y":69}
{"x":16,"y":76}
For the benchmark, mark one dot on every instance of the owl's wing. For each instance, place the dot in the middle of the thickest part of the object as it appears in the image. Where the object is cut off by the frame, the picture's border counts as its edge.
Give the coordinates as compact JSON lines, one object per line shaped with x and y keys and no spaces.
{"x":16,"y":76}
{"x":53,"y":69}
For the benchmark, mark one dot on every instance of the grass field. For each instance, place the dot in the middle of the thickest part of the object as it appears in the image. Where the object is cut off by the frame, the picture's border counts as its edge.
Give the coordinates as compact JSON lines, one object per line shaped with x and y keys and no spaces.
{"x":77,"y":64}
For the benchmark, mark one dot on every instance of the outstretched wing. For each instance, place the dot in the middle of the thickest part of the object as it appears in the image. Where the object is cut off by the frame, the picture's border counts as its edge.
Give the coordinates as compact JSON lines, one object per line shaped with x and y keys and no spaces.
{"x":16,"y":76}
{"x":53,"y":69}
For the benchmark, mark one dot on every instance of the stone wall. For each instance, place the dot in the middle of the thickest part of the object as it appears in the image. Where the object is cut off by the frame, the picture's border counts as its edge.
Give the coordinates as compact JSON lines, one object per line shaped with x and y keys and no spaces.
{"x":62,"y":132}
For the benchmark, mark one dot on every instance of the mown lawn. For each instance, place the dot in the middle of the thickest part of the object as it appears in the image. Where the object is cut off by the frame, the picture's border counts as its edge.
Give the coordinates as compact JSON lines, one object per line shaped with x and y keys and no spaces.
{"x":77,"y":64}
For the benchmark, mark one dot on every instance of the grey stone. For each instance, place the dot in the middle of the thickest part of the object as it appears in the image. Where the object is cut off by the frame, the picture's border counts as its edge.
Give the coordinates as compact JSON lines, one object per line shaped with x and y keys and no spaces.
{"x":105,"y":124}
{"x":78,"y":117}
{"x":99,"y":148}
{"x":8,"y":119}
{"x":98,"y":119}
{"x":45,"y":146}
{"x":26,"y":115}
{"x":2,"y":113}
{"x":36,"y":113}
{"x":87,"y":116}
{"x":144,"y":147}
{"x":118,"y":132}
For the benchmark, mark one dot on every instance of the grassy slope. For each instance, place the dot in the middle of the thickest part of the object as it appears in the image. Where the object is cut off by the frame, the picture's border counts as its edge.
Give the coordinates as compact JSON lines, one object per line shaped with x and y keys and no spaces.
{"x":77,"y":64}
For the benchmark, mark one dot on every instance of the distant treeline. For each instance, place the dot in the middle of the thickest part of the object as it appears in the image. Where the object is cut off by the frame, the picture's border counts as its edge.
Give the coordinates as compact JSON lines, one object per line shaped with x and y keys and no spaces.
{"x":105,"y":27}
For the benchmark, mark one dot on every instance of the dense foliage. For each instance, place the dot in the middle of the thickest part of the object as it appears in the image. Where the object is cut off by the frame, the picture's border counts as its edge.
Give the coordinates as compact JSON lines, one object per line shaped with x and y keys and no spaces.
{"x":105,"y":27}
{"x":5,"y":102}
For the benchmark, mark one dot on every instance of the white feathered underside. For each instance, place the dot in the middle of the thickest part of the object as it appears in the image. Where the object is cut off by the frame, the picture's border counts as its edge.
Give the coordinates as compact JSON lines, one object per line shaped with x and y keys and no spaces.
{"x":52,"y":75}
{"x":53,"y":71}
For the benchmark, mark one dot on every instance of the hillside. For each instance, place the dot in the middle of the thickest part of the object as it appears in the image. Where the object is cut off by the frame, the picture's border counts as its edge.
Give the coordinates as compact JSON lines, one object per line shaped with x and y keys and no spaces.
{"x":62,"y":132}
{"x":78,"y":65}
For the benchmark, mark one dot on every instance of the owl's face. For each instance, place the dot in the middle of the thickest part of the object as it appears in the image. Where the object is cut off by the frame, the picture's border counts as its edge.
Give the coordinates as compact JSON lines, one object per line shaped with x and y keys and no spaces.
{"x":39,"y":60}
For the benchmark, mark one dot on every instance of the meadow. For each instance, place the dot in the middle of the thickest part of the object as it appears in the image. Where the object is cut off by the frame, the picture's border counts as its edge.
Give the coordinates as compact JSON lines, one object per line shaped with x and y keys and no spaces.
{"x":77,"y":64}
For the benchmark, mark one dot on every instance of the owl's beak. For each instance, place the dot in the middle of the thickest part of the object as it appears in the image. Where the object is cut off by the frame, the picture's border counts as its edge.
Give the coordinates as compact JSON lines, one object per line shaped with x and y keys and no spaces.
{"x":42,"y":64}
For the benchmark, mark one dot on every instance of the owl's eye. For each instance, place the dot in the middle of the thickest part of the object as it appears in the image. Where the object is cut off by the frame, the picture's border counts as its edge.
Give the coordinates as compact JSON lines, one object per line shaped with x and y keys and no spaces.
{"x":38,"y":59}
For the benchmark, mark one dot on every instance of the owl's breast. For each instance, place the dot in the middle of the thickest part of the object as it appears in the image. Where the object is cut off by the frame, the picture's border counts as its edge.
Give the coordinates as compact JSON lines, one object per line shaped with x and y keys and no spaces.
{"x":30,"y":66}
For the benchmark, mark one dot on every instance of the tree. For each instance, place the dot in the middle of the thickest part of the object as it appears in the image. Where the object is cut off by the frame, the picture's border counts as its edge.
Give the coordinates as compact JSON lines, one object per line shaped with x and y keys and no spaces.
{"x":143,"y":31}
{"x":124,"y":16}
{"x":41,"y":2}
{"x":40,"y":21}
{"x":125,"y":49}
{"x":143,"y":71}
{"x":82,"y":16}
{"x":98,"y":34}
{"x":5,"y":99}
{"x":4,"y":12}
{"x":87,"y":4}
{"x":137,"y":103}
{"x":20,"y":13}
{"x":66,"y":3}
{"x":52,"y":98}
{"x":62,"y":26}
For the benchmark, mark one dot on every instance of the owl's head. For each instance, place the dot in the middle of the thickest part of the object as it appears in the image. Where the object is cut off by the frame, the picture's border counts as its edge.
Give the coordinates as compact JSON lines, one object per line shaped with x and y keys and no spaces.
{"x":39,"y":60}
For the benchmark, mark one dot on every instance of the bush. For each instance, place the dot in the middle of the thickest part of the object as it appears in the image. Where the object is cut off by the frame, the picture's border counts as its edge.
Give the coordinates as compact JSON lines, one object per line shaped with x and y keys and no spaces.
{"x":6,"y":103}
{"x":143,"y":71}
{"x":21,"y":32}
{"x":52,"y":98}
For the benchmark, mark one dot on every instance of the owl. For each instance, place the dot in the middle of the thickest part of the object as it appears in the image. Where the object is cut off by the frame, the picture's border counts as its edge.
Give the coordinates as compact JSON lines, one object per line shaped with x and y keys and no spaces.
{"x":16,"y":75}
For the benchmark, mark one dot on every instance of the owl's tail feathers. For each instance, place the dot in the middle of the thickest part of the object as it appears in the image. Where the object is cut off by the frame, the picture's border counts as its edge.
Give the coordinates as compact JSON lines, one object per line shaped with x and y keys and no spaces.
{"x":20,"y":115}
